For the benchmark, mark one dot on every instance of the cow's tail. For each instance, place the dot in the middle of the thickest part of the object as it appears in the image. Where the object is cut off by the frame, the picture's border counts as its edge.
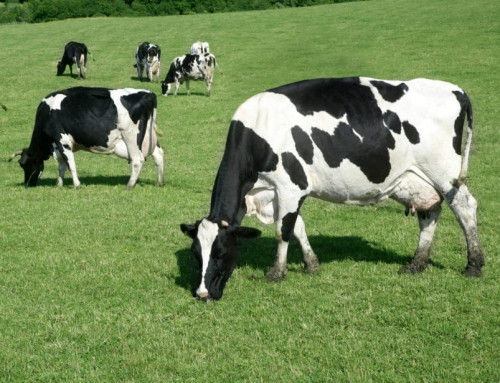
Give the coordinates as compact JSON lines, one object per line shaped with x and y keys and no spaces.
{"x":217,"y":65}
{"x":467,"y":109}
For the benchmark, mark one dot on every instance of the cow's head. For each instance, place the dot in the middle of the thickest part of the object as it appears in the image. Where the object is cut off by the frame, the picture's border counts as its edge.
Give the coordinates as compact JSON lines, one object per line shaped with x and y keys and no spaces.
{"x":216,"y":253}
{"x":60,"y":68}
{"x":165,"y":88}
{"x":32,"y":167}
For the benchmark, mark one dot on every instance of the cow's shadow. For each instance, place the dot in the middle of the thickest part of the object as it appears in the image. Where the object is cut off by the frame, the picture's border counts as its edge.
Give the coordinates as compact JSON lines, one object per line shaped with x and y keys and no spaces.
{"x":93,"y":180}
{"x":145,"y":79}
{"x":259,"y":254}
{"x":74,"y":76}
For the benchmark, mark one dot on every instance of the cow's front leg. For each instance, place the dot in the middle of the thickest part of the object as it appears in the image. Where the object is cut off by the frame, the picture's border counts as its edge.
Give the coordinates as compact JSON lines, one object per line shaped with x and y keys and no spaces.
{"x":66,"y":153}
{"x":427,"y":221}
{"x":187,"y":87}
{"x":287,"y":217}
{"x":62,"y":167}
{"x":208,"y":83}
{"x":177,"y":85}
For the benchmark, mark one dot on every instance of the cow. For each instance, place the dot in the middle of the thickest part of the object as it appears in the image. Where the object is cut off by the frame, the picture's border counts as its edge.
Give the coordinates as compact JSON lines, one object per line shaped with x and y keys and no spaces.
{"x":98,"y":120}
{"x":344,"y":140}
{"x":199,"y":48}
{"x":189,"y":67}
{"x":74,"y":53}
{"x":147,"y":57}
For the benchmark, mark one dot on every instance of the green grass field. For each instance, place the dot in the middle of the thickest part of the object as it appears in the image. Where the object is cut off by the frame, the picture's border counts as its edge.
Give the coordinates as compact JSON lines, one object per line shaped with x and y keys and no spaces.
{"x":95,"y":283}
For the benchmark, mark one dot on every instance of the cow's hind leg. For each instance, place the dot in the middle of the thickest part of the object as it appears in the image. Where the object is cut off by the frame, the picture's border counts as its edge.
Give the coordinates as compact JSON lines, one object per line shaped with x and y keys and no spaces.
{"x":464,"y":206}
{"x":310,"y":259}
{"x":135,"y":156}
{"x":427,"y":221}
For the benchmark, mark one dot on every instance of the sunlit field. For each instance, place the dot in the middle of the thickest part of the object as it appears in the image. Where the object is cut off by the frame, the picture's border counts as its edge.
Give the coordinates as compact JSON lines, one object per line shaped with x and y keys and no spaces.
{"x":95,"y":283}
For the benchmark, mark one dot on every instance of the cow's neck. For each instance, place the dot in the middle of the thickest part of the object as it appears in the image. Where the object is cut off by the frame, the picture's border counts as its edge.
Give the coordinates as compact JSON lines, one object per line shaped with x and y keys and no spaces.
{"x":40,"y":145}
{"x":246,"y":154}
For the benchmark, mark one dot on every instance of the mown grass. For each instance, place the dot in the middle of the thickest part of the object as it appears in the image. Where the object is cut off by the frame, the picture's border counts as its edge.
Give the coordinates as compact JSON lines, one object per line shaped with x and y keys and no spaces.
{"x":95,"y":283}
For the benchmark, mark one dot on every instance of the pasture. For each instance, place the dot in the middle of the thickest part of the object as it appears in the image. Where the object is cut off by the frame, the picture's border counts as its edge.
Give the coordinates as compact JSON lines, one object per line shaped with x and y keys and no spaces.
{"x":95,"y":283}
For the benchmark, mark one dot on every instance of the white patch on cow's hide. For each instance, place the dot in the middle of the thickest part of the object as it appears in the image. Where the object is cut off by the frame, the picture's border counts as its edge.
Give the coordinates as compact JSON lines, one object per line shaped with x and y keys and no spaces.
{"x":54,"y":102}
{"x":207,"y":232}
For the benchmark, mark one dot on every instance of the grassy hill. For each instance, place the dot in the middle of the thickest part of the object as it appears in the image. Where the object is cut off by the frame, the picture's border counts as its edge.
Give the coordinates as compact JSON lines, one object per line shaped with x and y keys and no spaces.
{"x":95,"y":283}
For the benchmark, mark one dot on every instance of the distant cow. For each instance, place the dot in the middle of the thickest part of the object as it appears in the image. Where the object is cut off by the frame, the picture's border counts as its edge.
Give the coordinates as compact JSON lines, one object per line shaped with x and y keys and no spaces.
{"x":98,"y":120}
{"x":147,"y":57}
{"x":189,"y":67}
{"x":349,"y":140}
{"x":74,"y":53}
{"x":200,"y":48}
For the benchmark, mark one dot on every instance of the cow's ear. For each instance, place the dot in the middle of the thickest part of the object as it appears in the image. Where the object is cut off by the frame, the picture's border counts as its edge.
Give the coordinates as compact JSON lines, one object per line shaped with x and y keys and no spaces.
{"x":247,"y":232}
{"x":189,"y":229}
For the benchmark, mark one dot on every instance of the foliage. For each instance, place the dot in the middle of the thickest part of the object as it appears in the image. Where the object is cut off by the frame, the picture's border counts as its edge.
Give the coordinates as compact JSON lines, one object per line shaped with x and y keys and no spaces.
{"x":47,"y":10}
{"x":95,"y":283}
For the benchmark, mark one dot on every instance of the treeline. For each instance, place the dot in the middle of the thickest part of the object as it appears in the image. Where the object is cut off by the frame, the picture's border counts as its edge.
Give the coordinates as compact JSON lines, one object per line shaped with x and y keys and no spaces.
{"x":36,"y":11}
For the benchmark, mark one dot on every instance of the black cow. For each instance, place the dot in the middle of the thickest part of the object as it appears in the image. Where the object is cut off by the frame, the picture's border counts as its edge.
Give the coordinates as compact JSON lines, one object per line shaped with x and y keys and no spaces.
{"x":351,"y":140}
{"x":74,"y":53}
{"x":98,"y":120}
{"x":189,"y":67}
{"x":147,"y":57}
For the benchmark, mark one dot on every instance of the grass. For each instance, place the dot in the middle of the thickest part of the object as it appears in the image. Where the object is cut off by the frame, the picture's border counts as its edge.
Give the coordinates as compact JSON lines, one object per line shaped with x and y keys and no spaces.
{"x":95,"y":283}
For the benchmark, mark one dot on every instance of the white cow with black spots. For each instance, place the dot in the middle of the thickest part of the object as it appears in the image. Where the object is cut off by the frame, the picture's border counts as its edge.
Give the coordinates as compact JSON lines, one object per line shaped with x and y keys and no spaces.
{"x":349,"y":140}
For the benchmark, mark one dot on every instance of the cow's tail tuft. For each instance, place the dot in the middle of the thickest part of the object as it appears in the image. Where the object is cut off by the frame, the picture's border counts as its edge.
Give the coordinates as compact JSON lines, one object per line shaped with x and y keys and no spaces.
{"x":462,"y":178}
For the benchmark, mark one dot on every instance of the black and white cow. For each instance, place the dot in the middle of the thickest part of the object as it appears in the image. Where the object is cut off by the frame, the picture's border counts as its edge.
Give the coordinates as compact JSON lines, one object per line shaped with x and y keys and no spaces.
{"x":147,"y":57}
{"x":74,"y":53}
{"x":98,"y":120}
{"x":199,"y":48}
{"x":349,"y":140}
{"x":189,"y":67}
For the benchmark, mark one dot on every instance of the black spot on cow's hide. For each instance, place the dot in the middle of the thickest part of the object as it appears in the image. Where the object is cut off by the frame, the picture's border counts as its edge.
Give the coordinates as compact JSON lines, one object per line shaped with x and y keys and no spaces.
{"x":364,"y":140}
{"x":389,"y":92}
{"x":411,"y":133}
{"x":392,"y":121}
{"x":328,"y":95}
{"x":295,"y":170}
{"x":303,"y":144}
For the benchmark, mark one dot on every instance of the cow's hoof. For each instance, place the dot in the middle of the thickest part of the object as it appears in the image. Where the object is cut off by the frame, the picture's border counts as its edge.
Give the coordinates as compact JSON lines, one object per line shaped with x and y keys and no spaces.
{"x":312,"y":267}
{"x":275,"y":274}
{"x":473,"y":271}
{"x":413,"y":268}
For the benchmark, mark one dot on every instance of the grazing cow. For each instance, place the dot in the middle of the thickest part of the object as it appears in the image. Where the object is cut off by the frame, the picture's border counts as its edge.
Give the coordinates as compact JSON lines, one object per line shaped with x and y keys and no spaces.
{"x":74,"y":53}
{"x":200,"y":48}
{"x":147,"y":58}
{"x":189,"y":67}
{"x":98,"y":120}
{"x":350,"y":140}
